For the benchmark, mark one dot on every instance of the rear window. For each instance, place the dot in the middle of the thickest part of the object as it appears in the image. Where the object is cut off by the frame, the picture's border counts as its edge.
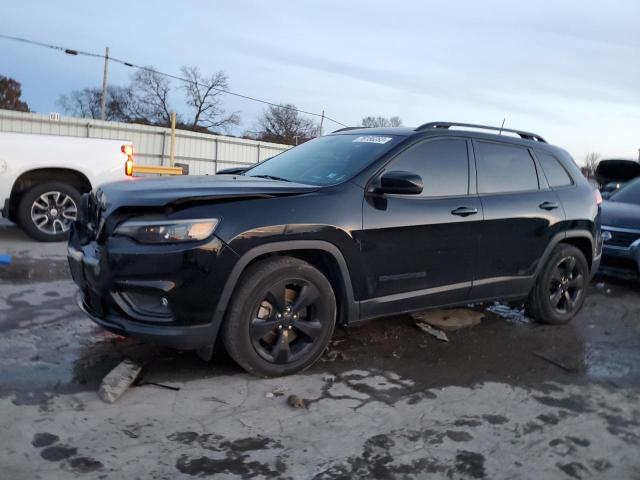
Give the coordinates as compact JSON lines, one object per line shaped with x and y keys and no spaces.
{"x":505,"y":168}
{"x":556,"y":175}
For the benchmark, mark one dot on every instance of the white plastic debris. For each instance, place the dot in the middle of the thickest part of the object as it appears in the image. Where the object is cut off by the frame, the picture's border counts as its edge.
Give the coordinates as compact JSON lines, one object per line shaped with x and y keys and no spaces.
{"x":118,"y":380}
{"x":514,"y":315}
{"x":439,"y":334}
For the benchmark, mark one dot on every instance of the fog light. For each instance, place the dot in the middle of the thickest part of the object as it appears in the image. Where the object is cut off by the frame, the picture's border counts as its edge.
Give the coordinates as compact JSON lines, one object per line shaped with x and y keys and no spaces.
{"x":142,"y":306}
{"x":606,"y":235}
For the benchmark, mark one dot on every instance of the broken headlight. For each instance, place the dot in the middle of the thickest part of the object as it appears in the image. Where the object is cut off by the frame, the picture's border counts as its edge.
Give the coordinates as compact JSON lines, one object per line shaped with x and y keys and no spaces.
{"x":167,"y":231}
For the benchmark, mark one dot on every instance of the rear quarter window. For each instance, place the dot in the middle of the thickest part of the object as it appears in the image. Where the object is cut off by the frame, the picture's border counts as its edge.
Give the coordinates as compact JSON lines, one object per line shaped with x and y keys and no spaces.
{"x":556,"y":175}
{"x":505,"y":168}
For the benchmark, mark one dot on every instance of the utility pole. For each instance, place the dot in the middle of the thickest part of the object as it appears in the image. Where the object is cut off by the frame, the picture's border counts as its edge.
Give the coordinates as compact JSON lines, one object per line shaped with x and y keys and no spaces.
{"x":103,"y":97}
{"x":172,"y":147}
{"x":321,"y":122}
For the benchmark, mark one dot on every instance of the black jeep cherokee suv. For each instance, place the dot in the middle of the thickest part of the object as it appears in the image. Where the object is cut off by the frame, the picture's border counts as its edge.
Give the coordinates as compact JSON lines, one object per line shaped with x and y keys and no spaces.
{"x":354,"y":225}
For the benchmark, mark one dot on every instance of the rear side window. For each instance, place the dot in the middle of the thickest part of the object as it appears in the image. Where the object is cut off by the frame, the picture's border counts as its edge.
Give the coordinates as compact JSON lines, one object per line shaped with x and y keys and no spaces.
{"x":442,"y":164}
{"x":505,"y":168}
{"x":556,"y":175}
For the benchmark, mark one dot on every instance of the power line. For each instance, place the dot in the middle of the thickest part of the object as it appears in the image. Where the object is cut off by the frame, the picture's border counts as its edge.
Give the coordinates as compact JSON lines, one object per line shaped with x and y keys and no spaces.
{"x":71,"y":51}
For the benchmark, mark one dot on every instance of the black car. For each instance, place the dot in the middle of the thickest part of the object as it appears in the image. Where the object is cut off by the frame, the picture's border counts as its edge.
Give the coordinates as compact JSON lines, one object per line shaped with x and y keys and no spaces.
{"x":621,"y":228}
{"x":358,"y":224}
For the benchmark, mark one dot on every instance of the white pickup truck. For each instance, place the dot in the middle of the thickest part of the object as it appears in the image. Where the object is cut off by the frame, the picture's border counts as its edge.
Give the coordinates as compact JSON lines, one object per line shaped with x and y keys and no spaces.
{"x":43,"y":176}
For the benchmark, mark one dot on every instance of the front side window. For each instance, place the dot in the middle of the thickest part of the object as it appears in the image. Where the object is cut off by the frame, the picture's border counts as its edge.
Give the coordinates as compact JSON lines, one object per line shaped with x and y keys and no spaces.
{"x":505,"y":168}
{"x":326,"y":160}
{"x":442,"y":164}
{"x":556,"y":175}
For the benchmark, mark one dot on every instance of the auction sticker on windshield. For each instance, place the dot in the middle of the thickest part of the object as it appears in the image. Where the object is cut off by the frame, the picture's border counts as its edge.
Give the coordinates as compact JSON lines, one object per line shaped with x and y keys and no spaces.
{"x":373,"y":139}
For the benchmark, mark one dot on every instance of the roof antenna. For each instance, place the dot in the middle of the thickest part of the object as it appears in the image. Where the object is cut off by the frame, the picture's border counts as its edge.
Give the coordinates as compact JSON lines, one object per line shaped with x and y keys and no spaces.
{"x":502,"y":126}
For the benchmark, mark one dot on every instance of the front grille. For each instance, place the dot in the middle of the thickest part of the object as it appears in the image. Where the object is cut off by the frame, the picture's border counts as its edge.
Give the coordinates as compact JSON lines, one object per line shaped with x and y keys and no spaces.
{"x":621,"y":239}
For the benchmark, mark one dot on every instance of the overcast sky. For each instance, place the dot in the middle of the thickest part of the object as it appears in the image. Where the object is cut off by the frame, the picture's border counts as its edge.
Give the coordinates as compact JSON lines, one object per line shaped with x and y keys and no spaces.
{"x":568,"y":70}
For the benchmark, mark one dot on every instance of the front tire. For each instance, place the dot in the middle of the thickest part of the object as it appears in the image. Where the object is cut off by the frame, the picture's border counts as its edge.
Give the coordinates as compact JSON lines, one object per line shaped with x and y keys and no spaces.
{"x":46,"y":211}
{"x":281,"y":317}
{"x":561,"y":286}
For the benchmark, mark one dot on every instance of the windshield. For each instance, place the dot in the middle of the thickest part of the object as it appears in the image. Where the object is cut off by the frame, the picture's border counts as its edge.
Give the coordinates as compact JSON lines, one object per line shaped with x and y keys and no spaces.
{"x":326,"y":160}
{"x":630,"y":193}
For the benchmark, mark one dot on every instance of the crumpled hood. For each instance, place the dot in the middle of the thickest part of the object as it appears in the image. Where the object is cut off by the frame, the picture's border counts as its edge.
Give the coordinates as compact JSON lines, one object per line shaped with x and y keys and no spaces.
{"x":162,"y":191}
{"x":621,"y":215}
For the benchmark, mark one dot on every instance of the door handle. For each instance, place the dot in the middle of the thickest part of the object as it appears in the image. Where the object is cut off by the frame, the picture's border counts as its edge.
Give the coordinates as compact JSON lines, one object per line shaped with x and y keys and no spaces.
{"x":548,"y":205}
{"x":464,"y":211}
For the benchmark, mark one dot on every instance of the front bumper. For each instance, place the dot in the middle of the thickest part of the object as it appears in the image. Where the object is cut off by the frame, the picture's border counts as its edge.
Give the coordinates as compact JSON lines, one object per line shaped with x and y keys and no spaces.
{"x":164,"y":294}
{"x":179,"y":337}
{"x":623,"y":255}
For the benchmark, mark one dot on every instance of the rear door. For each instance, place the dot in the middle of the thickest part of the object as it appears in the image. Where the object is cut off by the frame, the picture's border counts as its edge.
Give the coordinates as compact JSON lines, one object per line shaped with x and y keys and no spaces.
{"x":521,"y":215}
{"x":420,"y":250}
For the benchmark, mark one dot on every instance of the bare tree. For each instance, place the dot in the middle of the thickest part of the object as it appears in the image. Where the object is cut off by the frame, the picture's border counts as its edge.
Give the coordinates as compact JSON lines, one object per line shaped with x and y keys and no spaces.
{"x":202,"y":95}
{"x":10,"y":93}
{"x":591,"y":163}
{"x":152,"y":90}
{"x":284,"y":124}
{"x":379,"y":121}
{"x":148,"y":100}
{"x":120,"y":104}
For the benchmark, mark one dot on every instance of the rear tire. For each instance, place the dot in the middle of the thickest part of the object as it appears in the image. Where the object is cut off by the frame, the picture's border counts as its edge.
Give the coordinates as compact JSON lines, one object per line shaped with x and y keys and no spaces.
{"x":281,"y":317}
{"x":561,"y":286}
{"x":46,"y":211}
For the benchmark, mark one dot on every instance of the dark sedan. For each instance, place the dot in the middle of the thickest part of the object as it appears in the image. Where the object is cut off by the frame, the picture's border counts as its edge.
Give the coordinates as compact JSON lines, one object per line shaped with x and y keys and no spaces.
{"x":621,"y":227}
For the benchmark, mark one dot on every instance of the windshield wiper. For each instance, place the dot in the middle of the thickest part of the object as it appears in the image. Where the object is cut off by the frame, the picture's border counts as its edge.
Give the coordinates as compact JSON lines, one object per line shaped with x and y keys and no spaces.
{"x":271,"y":177}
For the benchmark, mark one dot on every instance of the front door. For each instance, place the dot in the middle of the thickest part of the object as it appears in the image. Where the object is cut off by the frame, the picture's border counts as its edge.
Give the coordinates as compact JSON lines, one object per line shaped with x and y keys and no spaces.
{"x":420,"y":250}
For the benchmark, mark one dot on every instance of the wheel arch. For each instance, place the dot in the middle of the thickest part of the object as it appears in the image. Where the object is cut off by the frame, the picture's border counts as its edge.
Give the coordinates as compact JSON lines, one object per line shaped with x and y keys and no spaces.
{"x":581,"y":239}
{"x":323,"y":255}
{"x":36,"y":176}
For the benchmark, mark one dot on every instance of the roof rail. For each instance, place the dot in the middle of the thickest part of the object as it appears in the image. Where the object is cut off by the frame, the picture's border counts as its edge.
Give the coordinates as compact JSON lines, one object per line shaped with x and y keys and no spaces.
{"x":347,"y":128}
{"x":447,"y":125}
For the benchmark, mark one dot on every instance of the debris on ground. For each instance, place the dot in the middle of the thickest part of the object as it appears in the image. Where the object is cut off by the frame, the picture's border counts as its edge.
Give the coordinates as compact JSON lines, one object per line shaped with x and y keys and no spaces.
{"x":512,"y":314}
{"x":439,"y":334}
{"x":277,"y":392}
{"x":297,"y":402}
{"x":555,"y":362}
{"x":333,"y":355}
{"x":603,"y":286}
{"x":161,"y":385}
{"x":118,"y":380}
{"x":450,"y":319}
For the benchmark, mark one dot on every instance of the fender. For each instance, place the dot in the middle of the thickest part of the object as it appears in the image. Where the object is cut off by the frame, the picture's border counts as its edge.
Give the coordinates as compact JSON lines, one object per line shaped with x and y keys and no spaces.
{"x":557,"y":238}
{"x":274,"y":247}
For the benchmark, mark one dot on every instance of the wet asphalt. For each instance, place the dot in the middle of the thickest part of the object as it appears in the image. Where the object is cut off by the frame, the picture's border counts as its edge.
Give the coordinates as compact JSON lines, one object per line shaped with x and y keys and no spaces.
{"x":54,"y":359}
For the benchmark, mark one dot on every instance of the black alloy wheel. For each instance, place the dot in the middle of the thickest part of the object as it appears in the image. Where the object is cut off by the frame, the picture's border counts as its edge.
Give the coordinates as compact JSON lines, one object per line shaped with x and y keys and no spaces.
{"x":288,"y":321}
{"x":561,"y":286}
{"x":566,"y":285}
{"x":281,"y":317}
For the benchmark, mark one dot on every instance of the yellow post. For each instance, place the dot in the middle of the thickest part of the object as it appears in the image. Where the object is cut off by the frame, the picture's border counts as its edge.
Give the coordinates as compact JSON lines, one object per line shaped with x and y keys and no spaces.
{"x":172,"y":147}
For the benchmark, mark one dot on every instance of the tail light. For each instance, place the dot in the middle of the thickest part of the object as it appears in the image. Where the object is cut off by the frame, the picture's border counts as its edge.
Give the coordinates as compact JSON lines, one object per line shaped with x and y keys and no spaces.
{"x":128,"y":165}
{"x":596,"y":192}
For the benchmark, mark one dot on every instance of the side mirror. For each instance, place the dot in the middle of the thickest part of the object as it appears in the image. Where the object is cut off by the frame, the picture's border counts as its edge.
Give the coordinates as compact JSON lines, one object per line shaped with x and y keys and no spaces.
{"x":399,"y":183}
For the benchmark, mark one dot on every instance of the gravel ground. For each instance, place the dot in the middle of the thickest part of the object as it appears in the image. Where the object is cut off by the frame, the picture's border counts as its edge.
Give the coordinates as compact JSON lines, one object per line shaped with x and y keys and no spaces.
{"x":507,"y":398}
